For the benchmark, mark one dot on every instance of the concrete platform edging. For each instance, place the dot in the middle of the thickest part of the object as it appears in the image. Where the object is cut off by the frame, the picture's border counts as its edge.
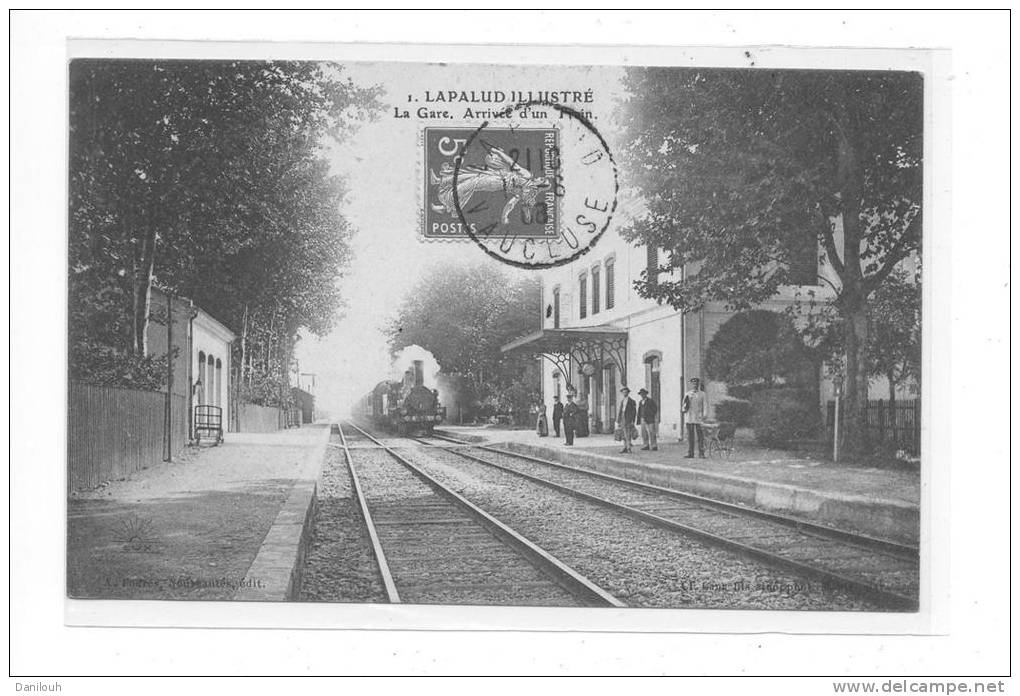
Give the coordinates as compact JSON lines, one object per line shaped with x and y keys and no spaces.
{"x":275,"y":574}
{"x":889,"y":519}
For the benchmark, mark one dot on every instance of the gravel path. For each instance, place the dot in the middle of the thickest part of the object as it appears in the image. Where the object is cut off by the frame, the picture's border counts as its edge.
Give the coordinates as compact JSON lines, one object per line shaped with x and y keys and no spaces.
{"x":642,"y":565}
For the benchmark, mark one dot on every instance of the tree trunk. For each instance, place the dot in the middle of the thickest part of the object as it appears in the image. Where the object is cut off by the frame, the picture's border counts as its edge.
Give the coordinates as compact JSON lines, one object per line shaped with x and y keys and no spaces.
{"x":891,"y":376}
{"x":145,"y":260}
{"x":855,"y":434}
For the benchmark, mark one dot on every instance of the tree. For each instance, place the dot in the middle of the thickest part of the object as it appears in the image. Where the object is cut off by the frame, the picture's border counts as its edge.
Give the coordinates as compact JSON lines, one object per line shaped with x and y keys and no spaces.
{"x":463,"y":315}
{"x":757,"y":347}
{"x":745,"y":169}
{"x":207,"y":177}
{"x":894,"y":314}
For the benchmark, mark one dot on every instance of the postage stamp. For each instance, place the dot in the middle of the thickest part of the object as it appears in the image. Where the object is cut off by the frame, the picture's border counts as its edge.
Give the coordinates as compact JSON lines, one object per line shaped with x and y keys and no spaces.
{"x":504,"y":183}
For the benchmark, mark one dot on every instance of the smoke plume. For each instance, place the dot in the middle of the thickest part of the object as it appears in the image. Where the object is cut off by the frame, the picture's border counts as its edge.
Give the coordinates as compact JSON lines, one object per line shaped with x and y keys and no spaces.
{"x":404,"y":359}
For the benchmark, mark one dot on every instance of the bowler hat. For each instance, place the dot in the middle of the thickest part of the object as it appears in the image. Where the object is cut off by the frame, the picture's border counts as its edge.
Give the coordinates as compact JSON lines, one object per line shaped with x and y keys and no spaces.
{"x":642,"y":391}
{"x":625,"y":389}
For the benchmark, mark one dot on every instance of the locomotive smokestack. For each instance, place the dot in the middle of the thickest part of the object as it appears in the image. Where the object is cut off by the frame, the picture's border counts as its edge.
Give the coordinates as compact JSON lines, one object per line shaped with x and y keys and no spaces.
{"x":419,"y":372}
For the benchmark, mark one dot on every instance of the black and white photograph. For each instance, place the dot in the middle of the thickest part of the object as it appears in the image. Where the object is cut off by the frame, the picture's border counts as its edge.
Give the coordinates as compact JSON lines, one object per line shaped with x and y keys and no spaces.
{"x":703,"y":392}
{"x":440,"y":337}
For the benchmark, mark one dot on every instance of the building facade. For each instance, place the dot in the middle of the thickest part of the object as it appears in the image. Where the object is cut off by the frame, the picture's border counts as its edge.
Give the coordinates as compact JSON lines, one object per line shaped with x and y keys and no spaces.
{"x":201,"y":364}
{"x":598,"y":334}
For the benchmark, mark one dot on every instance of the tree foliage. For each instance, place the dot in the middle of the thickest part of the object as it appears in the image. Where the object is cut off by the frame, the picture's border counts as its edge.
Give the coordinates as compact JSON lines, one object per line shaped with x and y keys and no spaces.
{"x":207,"y":178}
{"x":894,"y":313}
{"x":742,"y":168}
{"x":757,"y":347}
{"x":464,"y":314}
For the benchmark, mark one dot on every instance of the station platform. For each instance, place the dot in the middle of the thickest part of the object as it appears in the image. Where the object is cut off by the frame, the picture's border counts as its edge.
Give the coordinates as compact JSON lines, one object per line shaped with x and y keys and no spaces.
{"x":224,"y":522}
{"x":879,"y":501}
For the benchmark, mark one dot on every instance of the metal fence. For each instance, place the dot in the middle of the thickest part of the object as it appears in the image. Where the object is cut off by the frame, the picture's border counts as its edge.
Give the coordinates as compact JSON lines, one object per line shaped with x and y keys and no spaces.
{"x":114,"y":432}
{"x":896,"y":423}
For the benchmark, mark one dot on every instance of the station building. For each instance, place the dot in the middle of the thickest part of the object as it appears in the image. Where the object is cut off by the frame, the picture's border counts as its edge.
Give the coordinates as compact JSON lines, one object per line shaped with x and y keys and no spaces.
{"x":201,"y":371}
{"x":598,"y":334}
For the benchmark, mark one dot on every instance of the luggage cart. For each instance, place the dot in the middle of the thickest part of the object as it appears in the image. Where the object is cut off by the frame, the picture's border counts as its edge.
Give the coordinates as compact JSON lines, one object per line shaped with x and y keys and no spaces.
{"x":209,"y":422}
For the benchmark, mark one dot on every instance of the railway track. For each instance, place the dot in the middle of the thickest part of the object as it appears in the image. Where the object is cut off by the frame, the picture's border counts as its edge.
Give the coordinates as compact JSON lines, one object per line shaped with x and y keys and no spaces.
{"x":881,"y":571}
{"x":431,"y":545}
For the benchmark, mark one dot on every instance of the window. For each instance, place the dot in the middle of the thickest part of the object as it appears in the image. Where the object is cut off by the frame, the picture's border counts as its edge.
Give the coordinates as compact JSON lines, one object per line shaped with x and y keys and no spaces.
{"x":595,"y":278}
{"x":653,"y":377}
{"x":219,"y":383}
{"x":652,"y":269}
{"x":556,"y":308}
{"x":582,"y":295}
{"x":200,"y":387}
{"x":210,"y":374}
{"x":610,"y":283}
{"x":803,"y":259}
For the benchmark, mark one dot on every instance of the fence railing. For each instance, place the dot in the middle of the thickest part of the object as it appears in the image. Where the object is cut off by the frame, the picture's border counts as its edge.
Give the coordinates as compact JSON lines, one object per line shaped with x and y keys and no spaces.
{"x":896,"y":423}
{"x":114,"y":432}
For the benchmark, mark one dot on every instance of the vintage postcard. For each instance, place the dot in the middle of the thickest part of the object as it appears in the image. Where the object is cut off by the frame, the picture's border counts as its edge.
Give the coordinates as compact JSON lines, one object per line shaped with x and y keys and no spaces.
{"x":350,"y":328}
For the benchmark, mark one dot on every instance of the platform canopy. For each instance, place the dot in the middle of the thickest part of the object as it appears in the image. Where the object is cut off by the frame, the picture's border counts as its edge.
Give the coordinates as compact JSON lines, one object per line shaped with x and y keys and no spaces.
{"x":595,"y":345}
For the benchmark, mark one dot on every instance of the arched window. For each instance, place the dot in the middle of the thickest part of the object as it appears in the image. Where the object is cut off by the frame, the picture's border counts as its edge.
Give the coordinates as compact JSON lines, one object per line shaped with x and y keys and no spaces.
{"x":557,"y":384}
{"x":582,"y":295}
{"x":653,"y":379}
{"x":556,"y":307}
{"x":610,"y":282}
{"x":200,"y":390}
{"x":210,"y":390}
{"x":596,"y":288}
{"x":219,"y":383}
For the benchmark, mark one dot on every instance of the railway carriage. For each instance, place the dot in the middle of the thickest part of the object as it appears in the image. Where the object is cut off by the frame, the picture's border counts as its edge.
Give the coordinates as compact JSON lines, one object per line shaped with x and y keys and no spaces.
{"x":406,"y":407}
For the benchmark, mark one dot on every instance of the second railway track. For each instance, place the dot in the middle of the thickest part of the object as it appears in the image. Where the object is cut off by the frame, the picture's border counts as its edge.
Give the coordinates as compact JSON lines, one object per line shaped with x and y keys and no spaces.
{"x":432,"y":546}
{"x":881,"y":571}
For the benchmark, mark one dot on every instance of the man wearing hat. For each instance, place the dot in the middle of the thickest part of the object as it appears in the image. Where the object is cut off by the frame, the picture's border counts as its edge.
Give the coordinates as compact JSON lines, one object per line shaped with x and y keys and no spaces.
{"x":570,"y":412}
{"x":648,"y":421}
{"x":557,"y":414}
{"x":694,"y":410}
{"x":625,"y":418}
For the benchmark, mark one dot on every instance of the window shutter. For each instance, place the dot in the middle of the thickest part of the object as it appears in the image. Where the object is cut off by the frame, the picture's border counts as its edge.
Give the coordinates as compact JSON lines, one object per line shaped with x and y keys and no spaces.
{"x":595,"y":289}
{"x":653,"y":264}
{"x":803,"y":255}
{"x":610,"y":283}
{"x":582,"y":296}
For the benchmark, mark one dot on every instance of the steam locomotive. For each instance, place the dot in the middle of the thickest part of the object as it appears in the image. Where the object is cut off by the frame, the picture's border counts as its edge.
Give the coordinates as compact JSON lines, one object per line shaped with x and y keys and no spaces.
{"x":406,"y":407}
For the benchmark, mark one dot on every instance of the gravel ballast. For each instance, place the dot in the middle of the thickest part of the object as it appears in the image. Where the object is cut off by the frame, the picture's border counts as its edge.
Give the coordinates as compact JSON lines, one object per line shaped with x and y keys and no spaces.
{"x":640,"y":564}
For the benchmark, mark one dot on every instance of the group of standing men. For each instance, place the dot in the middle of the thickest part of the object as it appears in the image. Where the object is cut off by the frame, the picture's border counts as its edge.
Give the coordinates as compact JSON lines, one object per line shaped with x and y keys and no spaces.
{"x":642,"y":415}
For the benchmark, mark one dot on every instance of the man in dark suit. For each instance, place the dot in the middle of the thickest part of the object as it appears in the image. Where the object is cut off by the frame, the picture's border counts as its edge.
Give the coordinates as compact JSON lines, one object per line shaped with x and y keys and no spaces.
{"x":557,"y":414}
{"x":570,"y":414}
{"x":648,"y":421}
{"x":625,"y":418}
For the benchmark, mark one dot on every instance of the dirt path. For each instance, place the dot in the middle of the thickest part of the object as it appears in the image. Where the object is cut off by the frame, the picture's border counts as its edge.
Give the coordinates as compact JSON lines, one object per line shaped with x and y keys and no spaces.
{"x":187,"y":530}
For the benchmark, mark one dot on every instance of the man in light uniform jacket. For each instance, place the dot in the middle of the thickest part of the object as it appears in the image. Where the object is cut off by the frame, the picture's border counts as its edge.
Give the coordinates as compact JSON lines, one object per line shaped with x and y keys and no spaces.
{"x":694,"y":410}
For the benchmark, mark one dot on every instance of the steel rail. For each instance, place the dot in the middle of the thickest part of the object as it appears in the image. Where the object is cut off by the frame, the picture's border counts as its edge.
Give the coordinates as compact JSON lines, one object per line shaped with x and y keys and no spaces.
{"x":380,"y":556}
{"x":565,"y":576}
{"x":859,"y":587}
{"x":895,"y":549}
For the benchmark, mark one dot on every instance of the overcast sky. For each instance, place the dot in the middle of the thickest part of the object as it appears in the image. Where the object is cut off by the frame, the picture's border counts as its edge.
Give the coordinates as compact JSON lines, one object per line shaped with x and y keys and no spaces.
{"x":382,"y":164}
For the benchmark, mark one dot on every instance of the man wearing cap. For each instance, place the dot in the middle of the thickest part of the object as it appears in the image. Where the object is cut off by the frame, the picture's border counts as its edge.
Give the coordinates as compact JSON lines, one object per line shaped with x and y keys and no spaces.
{"x":625,"y":418}
{"x":694,"y":410}
{"x":570,"y":412}
{"x":557,"y":414}
{"x":648,"y":421}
